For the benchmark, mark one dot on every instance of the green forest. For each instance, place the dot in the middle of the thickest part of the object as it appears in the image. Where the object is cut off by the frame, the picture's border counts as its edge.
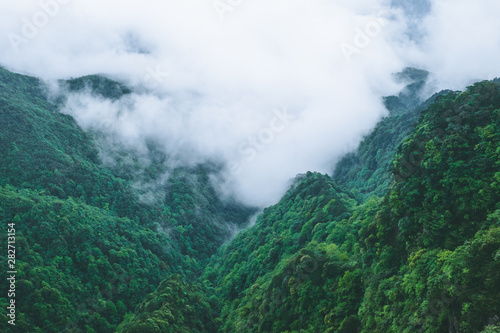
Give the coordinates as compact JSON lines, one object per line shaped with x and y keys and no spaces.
{"x":403,"y":236}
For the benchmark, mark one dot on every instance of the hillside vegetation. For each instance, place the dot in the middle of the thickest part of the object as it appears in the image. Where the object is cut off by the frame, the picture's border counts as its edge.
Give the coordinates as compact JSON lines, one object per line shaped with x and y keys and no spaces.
{"x":404,"y":237}
{"x":89,"y":248}
{"x":424,"y":257}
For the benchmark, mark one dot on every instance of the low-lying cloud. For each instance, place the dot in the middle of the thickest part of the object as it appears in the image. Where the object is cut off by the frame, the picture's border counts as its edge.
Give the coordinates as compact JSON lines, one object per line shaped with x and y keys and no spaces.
{"x":271,"y":88}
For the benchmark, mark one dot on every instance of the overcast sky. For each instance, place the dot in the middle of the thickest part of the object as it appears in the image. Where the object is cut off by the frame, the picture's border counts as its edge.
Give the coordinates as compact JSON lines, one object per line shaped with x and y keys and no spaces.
{"x":272,"y":88}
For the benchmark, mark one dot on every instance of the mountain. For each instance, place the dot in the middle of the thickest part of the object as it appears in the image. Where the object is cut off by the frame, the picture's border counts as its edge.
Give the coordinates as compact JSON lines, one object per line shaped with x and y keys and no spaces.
{"x":89,"y":247}
{"x":421,"y":258}
{"x":366,"y":171}
{"x":403,"y":237}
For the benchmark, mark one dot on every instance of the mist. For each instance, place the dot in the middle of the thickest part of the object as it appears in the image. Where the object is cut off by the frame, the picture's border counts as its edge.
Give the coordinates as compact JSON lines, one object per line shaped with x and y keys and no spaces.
{"x":270,"y":89}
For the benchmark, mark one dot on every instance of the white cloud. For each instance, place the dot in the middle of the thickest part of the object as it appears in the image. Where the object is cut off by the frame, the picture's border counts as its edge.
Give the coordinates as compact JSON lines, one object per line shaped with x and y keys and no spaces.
{"x":221,"y":80}
{"x":463,"y":42}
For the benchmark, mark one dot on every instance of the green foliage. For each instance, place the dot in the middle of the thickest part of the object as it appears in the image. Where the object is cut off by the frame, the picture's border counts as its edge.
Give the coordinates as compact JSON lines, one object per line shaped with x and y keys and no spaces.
{"x":44,"y":150}
{"x":424,"y":258}
{"x":98,"y":85}
{"x":302,"y":215}
{"x":367,"y":170}
{"x":87,"y":231}
{"x":79,"y":264}
{"x":404,"y":238}
{"x":447,"y":170}
{"x":281,"y":274}
{"x":201,"y":220}
{"x":175,"y":307}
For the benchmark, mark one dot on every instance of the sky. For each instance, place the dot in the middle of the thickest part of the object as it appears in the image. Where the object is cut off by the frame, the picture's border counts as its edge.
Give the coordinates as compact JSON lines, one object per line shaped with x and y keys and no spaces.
{"x":269,"y":88}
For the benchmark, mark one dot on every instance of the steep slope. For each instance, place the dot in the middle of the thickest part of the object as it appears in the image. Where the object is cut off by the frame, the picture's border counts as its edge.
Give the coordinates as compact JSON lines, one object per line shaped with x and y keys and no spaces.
{"x":44,"y":149}
{"x":90,"y":246}
{"x":404,"y":238}
{"x":367,"y":170}
{"x":439,"y":222}
{"x":303,"y":215}
{"x":197,"y":218}
{"x":79,"y":266}
{"x":82,"y":235}
{"x":424,"y":258}
{"x":257,"y":274}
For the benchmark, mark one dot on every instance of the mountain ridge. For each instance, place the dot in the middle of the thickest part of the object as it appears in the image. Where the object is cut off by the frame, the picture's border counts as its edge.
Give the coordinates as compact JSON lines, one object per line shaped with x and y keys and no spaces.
{"x":403,"y":237}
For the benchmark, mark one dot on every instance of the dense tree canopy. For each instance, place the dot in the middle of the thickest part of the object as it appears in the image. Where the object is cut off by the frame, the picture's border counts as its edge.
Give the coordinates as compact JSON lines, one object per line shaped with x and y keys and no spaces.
{"x":404,"y":237}
{"x":90,"y":246}
{"x":422,"y":258}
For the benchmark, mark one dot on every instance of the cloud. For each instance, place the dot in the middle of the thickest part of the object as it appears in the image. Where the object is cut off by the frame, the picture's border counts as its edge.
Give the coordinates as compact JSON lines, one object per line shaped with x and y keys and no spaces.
{"x":209,"y":76}
{"x":463,"y":42}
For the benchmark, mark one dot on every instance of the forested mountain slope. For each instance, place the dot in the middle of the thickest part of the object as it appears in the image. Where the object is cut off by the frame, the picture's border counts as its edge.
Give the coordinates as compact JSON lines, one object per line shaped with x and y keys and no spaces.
{"x":89,"y":249}
{"x":77,"y":265}
{"x":423,"y":258}
{"x":366,"y":171}
{"x":405,"y":237}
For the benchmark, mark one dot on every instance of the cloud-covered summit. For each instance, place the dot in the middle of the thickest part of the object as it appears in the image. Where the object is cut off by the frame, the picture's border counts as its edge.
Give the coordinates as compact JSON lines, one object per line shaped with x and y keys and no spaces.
{"x":271,"y":88}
